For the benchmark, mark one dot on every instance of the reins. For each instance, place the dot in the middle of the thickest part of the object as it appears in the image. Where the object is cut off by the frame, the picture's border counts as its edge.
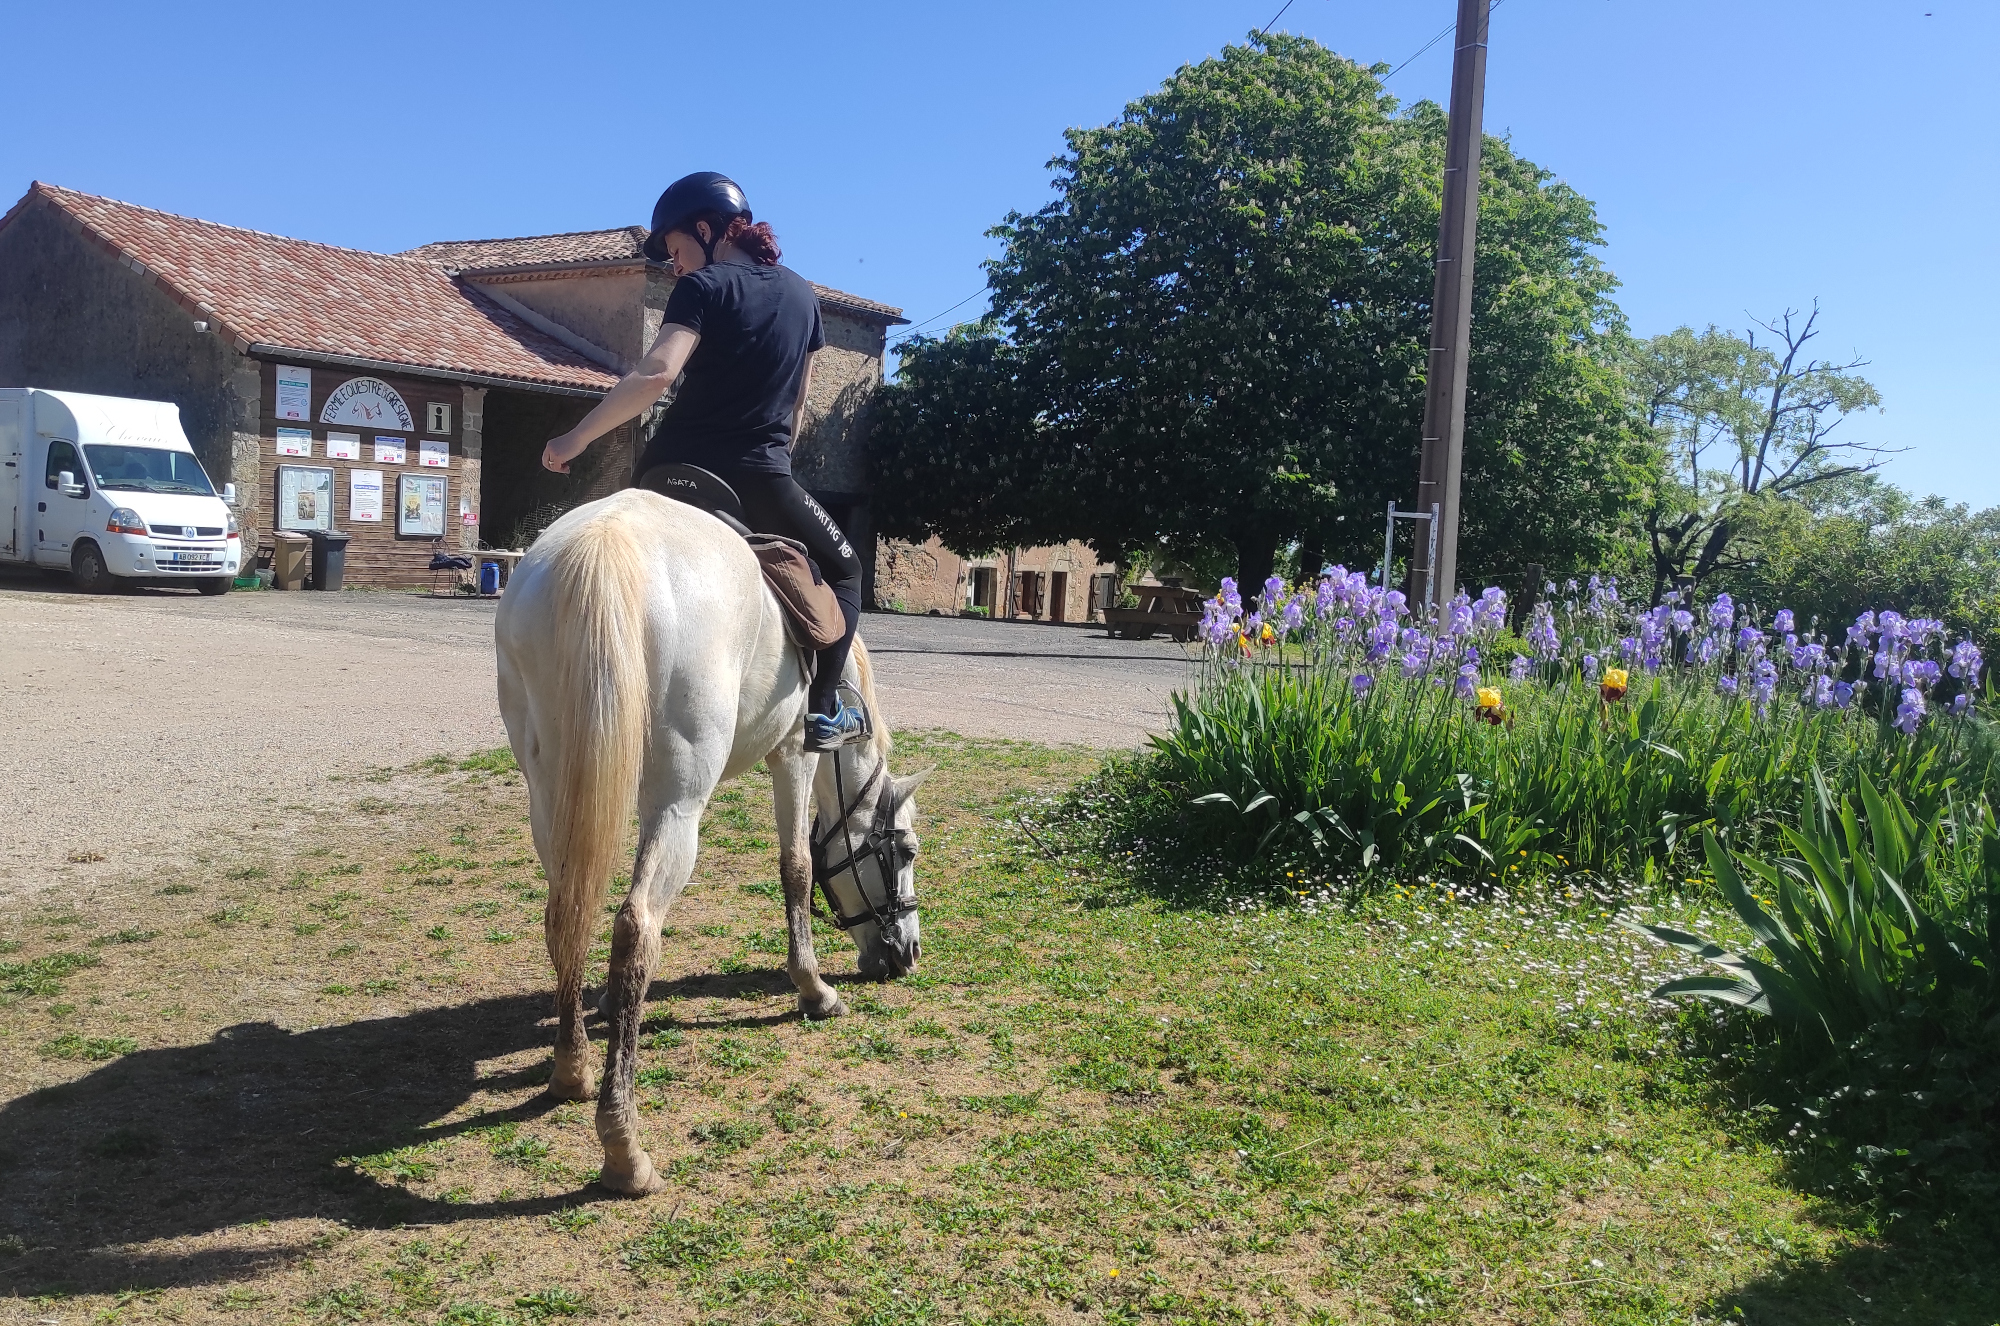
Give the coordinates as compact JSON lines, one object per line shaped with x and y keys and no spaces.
{"x":891,"y":848}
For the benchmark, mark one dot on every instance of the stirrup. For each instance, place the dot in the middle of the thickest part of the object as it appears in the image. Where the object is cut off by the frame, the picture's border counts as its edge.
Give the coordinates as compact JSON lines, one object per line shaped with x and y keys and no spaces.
{"x":845,"y":726}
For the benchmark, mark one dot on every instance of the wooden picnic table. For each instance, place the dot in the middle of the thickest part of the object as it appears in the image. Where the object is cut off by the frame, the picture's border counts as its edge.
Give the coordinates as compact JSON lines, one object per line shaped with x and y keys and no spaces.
{"x":1175,"y":609}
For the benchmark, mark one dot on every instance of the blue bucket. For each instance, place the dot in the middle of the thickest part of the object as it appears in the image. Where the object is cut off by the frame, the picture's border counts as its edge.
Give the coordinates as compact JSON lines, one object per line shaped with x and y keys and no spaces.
{"x":489,"y":577}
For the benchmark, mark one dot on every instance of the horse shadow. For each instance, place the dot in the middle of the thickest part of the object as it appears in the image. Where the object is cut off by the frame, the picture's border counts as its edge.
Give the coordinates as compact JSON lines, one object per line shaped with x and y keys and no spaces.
{"x":101,"y":1176}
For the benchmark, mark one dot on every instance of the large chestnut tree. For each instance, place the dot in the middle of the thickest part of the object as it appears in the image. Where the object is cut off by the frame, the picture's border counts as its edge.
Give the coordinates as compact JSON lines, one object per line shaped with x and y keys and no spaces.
{"x":1215,"y":338}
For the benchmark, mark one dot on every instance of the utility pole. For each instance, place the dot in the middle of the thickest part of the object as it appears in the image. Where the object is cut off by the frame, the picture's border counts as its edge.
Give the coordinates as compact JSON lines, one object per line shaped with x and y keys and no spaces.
{"x":1451,"y":307}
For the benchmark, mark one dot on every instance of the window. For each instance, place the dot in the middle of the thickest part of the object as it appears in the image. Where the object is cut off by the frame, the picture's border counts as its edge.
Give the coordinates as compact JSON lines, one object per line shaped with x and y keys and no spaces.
{"x":147,"y":470}
{"x":982,"y":587}
{"x":440,"y":418}
{"x":63,"y":457}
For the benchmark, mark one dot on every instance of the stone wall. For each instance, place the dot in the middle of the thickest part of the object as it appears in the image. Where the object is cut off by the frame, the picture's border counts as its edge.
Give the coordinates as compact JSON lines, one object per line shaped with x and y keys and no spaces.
{"x":832,"y":456}
{"x":75,"y":318}
{"x":931,"y":578}
{"x":606,"y":308}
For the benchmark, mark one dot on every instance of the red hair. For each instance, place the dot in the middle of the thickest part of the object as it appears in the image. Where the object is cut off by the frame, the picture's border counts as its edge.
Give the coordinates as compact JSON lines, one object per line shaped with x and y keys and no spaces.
{"x":755,"y":239}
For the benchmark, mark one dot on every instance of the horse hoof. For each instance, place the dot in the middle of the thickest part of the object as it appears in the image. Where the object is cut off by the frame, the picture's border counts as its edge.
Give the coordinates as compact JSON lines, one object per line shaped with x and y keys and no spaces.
{"x":640,"y":1181}
{"x":577,"y":1087}
{"x":835,"y":1007}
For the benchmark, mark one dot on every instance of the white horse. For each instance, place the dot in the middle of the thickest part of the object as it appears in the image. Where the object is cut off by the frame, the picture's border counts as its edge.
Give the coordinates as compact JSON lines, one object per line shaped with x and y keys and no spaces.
{"x":643,"y":662}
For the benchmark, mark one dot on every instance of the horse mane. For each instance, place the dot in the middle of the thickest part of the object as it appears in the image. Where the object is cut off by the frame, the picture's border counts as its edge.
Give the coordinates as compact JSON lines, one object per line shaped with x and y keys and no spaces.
{"x":864,"y":676}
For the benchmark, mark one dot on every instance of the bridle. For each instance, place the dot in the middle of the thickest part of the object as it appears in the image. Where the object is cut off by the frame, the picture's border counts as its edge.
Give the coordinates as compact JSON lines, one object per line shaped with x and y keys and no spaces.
{"x":891,"y":848}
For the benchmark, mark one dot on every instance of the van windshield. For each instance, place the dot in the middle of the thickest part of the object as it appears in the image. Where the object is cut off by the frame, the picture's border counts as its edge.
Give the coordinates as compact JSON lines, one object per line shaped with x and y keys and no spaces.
{"x":147,"y":470}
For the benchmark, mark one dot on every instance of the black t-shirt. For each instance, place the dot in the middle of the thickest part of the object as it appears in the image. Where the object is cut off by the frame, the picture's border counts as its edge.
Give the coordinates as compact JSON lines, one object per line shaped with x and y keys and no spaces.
{"x":758,"y":325}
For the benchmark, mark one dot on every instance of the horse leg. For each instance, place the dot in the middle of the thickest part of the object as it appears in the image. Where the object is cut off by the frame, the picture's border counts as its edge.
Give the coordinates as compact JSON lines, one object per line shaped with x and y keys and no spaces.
{"x":791,"y":783}
{"x":666,"y":858}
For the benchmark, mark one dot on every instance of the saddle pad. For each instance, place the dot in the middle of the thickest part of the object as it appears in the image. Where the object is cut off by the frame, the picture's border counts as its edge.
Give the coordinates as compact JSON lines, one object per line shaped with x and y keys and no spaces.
{"x":807,"y":599}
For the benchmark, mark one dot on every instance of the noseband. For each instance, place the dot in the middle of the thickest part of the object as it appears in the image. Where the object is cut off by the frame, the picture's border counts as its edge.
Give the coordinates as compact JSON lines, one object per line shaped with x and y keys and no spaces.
{"x":891,"y":848}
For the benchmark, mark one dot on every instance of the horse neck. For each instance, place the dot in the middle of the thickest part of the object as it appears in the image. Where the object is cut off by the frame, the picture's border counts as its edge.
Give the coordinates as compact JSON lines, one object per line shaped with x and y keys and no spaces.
{"x":858,"y":765}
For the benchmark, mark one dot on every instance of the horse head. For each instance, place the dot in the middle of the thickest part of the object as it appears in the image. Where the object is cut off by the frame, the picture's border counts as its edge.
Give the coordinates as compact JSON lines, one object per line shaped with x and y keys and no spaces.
{"x":865,"y":856}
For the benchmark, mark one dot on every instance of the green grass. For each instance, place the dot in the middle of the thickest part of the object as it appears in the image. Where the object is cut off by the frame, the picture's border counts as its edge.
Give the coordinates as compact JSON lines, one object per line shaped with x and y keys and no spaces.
{"x":1415,"y":1108}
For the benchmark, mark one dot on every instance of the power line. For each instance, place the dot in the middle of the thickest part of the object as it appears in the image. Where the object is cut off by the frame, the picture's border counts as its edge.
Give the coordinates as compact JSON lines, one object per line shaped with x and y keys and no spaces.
{"x":1274,"y":18}
{"x":912,"y":331}
{"x":1448,"y":30}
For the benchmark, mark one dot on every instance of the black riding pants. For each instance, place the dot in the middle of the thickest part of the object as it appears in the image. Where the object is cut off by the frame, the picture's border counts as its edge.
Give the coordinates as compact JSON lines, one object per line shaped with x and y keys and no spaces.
{"x":775,"y":504}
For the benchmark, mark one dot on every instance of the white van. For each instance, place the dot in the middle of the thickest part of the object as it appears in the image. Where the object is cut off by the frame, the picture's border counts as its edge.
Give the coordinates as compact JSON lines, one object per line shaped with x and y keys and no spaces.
{"x":110,"y":490}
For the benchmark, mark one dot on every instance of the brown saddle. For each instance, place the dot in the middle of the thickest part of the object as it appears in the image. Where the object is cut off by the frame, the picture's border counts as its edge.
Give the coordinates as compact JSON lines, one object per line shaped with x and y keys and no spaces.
{"x":812,"y":613}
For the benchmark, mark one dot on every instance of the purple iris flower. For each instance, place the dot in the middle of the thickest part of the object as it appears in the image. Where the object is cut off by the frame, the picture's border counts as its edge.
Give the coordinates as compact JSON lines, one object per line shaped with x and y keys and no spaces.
{"x":1518,"y":669}
{"x":1468,"y":681}
{"x":1819,"y":693}
{"x":1727,"y":684}
{"x":1542,"y":635}
{"x":1590,"y":664}
{"x":1843,"y":694}
{"x":1911,"y":711}
{"x":1682,"y":620}
{"x":1362,"y":683}
{"x":1961,"y":702}
{"x":1722,"y":615}
{"x":1295,"y":614}
{"x":1231,"y":600}
{"x":1781,"y":621}
{"x":1966,"y":661}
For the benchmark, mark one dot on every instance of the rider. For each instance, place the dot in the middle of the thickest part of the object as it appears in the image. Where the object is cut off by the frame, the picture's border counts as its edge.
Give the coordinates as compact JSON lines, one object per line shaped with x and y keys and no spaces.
{"x":745,"y":330}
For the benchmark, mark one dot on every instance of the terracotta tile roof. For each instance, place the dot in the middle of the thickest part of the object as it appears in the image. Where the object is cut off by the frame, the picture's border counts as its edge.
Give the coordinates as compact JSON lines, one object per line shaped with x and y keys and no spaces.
{"x":621,"y":245}
{"x":293,"y":294}
{"x":473,"y":256}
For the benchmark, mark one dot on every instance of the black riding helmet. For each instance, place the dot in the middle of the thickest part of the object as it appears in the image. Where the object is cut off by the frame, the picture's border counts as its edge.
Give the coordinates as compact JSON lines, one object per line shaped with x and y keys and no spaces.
{"x":689,"y":197}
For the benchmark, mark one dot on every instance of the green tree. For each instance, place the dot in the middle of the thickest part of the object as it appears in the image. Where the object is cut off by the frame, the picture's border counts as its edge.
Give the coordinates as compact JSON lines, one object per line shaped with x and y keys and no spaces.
{"x":1745,"y":427}
{"x":1864,"y":545}
{"x":1216,"y":338}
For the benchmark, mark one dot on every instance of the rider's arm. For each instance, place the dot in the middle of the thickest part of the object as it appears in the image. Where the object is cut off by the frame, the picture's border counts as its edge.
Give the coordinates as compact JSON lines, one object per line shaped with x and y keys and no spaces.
{"x":799,"y":407}
{"x":632,"y":397}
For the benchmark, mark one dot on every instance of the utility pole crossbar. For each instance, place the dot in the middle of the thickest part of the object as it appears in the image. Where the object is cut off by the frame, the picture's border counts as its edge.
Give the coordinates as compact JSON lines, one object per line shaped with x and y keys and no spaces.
{"x":1451,"y":308}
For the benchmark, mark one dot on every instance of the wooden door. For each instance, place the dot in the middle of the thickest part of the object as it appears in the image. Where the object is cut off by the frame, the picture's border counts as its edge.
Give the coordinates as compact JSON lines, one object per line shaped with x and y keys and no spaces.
{"x":1058,"y":595}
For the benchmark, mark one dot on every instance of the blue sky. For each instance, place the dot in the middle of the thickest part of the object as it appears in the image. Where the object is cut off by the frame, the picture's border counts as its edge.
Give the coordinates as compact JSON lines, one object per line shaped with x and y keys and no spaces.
{"x":1745,"y":157}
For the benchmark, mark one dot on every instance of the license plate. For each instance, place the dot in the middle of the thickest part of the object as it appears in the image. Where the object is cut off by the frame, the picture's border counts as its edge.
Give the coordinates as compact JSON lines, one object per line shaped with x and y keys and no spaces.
{"x":192,"y":559}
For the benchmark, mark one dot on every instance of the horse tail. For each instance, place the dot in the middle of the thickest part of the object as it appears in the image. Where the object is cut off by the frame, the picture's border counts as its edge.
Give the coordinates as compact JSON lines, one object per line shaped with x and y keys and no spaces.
{"x":599,"y":634}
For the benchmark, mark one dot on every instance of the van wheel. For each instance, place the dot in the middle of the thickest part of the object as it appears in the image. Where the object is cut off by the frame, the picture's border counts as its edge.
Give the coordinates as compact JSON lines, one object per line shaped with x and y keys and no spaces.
{"x":219,"y":585}
{"x":88,"y":572}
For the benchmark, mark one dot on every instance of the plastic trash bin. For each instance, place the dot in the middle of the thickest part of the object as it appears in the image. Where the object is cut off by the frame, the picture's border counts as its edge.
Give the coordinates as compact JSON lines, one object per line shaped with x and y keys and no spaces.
{"x":489,"y":577}
{"x":291,"y":559}
{"x":329,"y":557}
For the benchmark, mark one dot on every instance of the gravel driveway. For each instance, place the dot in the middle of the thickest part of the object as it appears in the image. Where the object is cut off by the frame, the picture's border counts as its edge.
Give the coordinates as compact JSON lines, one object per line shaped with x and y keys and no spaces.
{"x":164,"y":727}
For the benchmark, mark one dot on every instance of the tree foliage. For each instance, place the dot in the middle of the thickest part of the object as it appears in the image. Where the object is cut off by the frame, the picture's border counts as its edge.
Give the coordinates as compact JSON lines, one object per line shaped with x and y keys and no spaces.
{"x":1746,"y":428}
{"x":1216,"y":336}
{"x":1864,"y":545}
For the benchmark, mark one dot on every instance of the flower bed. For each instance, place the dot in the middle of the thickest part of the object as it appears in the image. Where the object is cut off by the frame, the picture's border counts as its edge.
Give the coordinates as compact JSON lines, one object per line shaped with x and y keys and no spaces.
{"x":1331,"y":733}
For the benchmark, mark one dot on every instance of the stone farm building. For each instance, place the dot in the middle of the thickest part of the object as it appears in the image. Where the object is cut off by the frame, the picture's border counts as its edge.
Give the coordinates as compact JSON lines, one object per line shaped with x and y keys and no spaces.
{"x":303,"y":364}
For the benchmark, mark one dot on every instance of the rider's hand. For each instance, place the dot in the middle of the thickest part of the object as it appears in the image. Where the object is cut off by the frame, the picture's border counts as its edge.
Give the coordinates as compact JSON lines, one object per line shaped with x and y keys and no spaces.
{"x":560,"y":451}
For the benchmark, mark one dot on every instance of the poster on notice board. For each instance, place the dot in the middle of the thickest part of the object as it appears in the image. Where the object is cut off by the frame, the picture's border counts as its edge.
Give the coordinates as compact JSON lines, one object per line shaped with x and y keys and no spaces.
{"x":364,"y":495}
{"x":388,"y":450}
{"x":295,"y":442}
{"x":305,"y":497}
{"x":436,"y":454}
{"x":420,"y":505}
{"x":295,"y":392}
{"x":343,"y":446}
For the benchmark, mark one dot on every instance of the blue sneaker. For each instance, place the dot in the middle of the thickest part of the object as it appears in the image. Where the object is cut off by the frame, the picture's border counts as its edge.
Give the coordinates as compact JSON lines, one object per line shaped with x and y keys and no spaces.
{"x":844,"y":726}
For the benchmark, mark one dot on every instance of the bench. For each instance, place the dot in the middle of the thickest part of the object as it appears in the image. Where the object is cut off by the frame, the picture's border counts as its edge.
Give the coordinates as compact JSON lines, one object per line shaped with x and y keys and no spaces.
{"x":1174,"y":609}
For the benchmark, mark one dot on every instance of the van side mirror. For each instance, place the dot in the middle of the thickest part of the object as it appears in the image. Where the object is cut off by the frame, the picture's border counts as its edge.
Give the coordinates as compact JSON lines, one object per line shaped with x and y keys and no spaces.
{"x":67,"y":485}
{"x":229,"y":494}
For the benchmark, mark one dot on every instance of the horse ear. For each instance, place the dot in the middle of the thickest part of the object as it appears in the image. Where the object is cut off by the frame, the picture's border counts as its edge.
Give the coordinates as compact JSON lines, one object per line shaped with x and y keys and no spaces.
{"x":908,"y":783}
